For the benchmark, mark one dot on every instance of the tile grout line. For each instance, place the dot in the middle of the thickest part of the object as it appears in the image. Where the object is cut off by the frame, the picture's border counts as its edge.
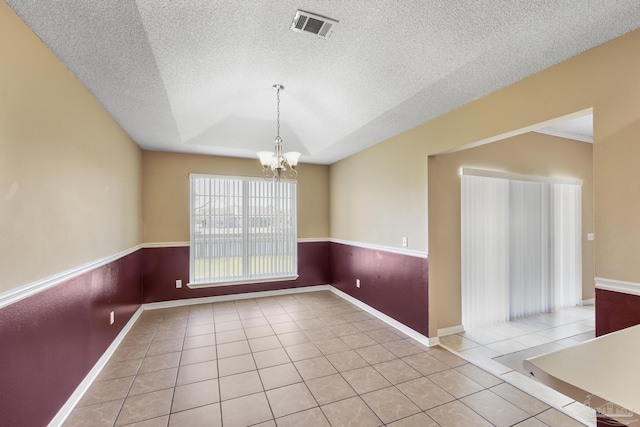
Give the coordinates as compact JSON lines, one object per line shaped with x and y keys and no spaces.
{"x":560,"y":408}
{"x":273,"y":415}
{"x":317,"y":316}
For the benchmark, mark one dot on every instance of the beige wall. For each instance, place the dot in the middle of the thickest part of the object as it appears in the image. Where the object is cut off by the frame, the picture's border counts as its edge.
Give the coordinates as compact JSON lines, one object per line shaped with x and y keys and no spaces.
{"x":605,"y":78}
{"x":530,"y":154}
{"x":69,"y":175}
{"x":70,"y":178}
{"x":379,"y":195}
{"x":165,"y":193}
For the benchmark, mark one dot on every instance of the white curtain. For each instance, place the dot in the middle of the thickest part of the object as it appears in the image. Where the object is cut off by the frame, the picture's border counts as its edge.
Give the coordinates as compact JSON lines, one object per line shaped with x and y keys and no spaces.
{"x":521,"y":247}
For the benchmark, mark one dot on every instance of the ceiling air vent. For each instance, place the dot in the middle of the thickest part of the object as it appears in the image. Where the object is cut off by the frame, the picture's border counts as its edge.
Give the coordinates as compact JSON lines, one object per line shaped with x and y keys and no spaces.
{"x":310,"y":23}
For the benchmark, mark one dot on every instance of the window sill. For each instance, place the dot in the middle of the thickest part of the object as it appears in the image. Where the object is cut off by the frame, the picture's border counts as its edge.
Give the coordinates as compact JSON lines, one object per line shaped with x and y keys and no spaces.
{"x":241,"y":282}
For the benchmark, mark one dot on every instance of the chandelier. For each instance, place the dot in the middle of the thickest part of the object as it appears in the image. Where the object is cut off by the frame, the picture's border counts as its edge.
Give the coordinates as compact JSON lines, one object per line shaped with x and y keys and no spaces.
{"x":277,"y":166}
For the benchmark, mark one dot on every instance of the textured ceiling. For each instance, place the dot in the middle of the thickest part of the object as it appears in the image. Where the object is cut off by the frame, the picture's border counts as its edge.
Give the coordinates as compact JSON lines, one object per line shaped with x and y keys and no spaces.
{"x":195,"y":76}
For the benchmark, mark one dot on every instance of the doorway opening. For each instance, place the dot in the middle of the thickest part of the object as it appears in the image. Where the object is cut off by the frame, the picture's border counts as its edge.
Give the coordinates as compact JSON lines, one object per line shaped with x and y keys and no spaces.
{"x":549,"y":149}
{"x":521,"y":245}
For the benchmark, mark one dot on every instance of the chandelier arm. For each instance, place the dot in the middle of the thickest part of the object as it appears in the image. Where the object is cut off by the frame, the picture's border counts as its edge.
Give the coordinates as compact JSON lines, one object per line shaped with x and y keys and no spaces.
{"x":292,"y":174}
{"x":267,"y":173}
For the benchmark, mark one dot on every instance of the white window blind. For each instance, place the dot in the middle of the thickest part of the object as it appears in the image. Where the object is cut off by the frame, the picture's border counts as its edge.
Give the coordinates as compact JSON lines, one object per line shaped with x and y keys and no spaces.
{"x":243,"y":230}
{"x":521,"y":245}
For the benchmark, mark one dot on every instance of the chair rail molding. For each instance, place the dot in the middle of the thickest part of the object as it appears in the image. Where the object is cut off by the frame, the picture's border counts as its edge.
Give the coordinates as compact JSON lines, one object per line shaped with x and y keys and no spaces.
{"x":631,"y":288}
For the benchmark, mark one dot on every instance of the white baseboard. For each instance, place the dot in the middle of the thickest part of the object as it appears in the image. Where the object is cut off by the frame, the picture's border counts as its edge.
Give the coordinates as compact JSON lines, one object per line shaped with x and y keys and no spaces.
{"x":433,"y":341}
{"x":590,"y":301}
{"x":429,"y":342}
{"x":451,"y":330}
{"x":66,"y":409}
{"x":82,"y":388}
{"x":233,"y":297}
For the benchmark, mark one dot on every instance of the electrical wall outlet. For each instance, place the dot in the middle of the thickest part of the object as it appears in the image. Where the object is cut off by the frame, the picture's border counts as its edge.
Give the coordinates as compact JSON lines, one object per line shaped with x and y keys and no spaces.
{"x":178,"y":284}
{"x":112,"y":317}
{"x":405,"y":242}
{"x":357,"y":283}
{"x":590,"y":236}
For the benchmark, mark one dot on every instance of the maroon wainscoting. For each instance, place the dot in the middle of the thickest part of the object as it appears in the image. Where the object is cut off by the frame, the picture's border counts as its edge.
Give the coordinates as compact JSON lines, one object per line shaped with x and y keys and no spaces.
{"x":615,"y":311}
{"x":395,"y":284}
{"x":49,"y":342}
{"x":164,"y":265}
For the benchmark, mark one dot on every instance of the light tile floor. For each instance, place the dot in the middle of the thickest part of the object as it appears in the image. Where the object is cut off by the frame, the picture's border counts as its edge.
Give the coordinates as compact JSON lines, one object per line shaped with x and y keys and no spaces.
{"x":501,"y":349}
{"x":309,"y":359}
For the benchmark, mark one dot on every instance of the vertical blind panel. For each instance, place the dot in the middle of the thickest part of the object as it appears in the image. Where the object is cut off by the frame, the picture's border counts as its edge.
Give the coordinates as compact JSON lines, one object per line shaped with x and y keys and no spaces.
{"x":485,"y":244}
{"x":567,"y":249}
{"x":242,"y":229}
{"x":529,"y":254}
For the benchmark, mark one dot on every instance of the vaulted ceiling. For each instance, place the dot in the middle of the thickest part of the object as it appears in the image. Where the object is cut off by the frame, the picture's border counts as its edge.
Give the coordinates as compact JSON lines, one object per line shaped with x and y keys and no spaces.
{"x":196,"y":76}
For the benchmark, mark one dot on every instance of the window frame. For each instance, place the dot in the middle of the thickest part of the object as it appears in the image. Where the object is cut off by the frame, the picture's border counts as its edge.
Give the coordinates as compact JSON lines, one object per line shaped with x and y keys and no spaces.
{"x":244,"y":235}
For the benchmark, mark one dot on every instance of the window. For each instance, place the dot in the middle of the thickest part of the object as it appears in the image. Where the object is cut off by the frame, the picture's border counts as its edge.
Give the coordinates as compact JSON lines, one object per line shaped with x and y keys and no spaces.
{"x":243,"y":230}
